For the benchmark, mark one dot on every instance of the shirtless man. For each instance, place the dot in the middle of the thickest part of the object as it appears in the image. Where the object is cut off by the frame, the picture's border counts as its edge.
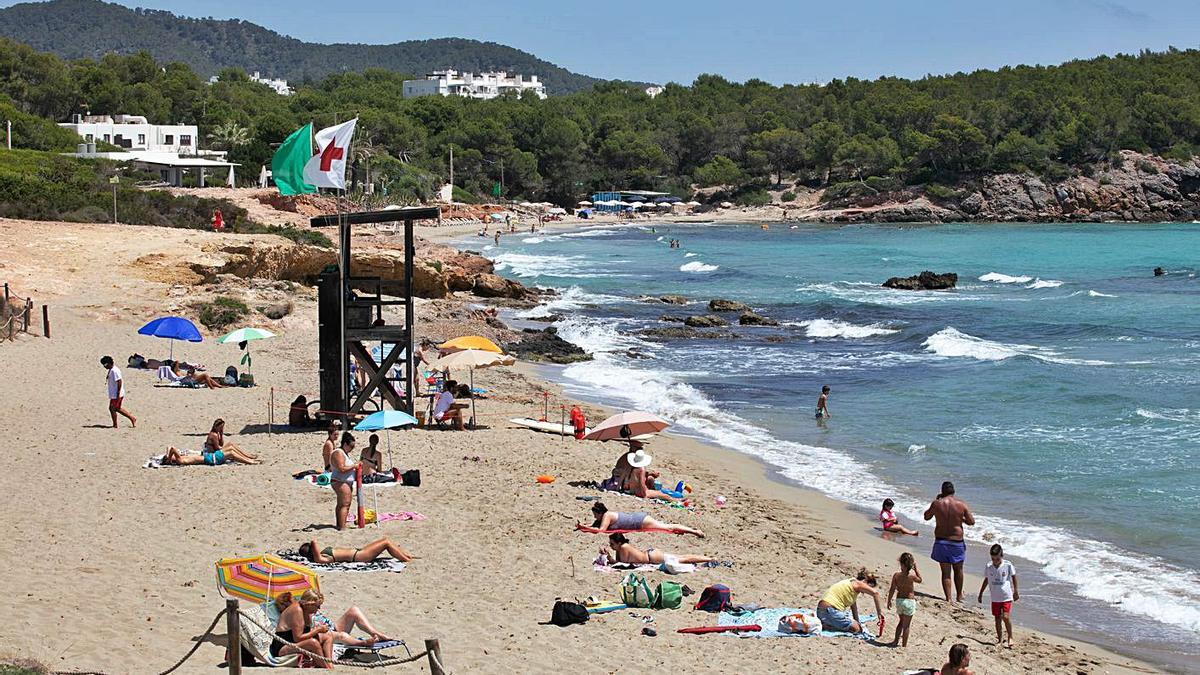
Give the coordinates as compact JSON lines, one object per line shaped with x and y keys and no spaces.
{"x":823,"y":403}
{"x":949,"y":549}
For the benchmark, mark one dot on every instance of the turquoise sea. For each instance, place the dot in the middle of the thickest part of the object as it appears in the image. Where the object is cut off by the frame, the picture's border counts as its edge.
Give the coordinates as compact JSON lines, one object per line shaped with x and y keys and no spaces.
{"x":1058,"y":385}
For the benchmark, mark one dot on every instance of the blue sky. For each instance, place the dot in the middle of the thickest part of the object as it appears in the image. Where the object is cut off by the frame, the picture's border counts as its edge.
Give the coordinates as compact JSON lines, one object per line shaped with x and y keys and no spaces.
{"x":774,"y":40}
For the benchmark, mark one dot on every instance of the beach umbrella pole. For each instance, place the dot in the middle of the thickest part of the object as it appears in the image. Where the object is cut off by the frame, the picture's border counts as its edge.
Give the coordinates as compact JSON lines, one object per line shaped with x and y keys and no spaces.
{"x":474,"y":417}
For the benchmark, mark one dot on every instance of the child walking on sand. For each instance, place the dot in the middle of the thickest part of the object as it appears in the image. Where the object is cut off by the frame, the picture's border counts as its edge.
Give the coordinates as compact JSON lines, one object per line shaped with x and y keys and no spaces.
{"x":890,"y":522}
{"x":1002,"y":577}
{"x":906,"y":596}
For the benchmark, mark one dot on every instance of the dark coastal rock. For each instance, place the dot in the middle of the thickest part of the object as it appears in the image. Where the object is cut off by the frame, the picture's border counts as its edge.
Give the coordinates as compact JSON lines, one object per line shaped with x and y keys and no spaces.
{"x":752,"y":319}
{"x":545,"y":345}
{"x":705,"y":321}
{"x":494,"y":286}
{"x":277,"y":311}
{"x":673,"y":299}
{"x":925,"y":281}
{"x":545,"y":318}
{"x":723,"y":305}
{"x":672,"y":318}
{"x":679,"y":332}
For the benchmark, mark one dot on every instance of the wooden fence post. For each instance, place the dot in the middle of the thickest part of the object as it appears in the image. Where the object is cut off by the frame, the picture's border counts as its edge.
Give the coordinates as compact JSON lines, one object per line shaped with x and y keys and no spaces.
{"x":233,"y":625}
{"x":435,"y":657}
{"x":46,"y":321}
{"x":28,"y":311}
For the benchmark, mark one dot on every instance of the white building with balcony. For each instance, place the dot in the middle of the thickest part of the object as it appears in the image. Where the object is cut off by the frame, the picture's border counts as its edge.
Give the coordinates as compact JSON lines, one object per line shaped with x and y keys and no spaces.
{"x":472,"y":85}
{"x":133,"y":132}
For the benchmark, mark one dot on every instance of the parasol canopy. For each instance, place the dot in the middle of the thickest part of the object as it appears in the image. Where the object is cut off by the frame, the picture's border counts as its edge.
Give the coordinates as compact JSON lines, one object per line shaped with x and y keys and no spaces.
{"x":264,"y":577}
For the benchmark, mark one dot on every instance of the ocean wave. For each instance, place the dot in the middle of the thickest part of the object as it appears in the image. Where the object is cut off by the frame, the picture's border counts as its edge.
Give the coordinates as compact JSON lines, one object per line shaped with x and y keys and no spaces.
{"x":1135,"y":583}
{"x":1044,"y":283}
{"x":697,"y":266}
{"x":1005,"y":279}
{"x":1098,"y":294}
{"x":832,"y":328}
{"x":690,"y":255}
{"x":533,"y":240}
{"x":527,"y":265}
{"x":916,"y":448}
{"x":950,"y":342}
{"x":867,"y":292}
{"x":1170,"y":414}
{"x":570,"y":299}
{"x":589,"y":233}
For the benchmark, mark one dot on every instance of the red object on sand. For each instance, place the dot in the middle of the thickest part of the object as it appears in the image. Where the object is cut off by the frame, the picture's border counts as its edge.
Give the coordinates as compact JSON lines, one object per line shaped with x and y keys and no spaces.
{"x":579,"y":422}
{"x":218,"y":221}
{"x":700,"y":630}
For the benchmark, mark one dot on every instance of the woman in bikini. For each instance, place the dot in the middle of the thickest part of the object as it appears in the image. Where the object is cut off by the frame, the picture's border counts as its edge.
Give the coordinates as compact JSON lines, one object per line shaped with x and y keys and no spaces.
{"x":638,"y":520}
{"x":624,"y":552}
{"x":296,"y":625}
{"x":216,"y":451}
{"x":369,"y":553}
{"x":215,"y":441}
{"x":341,"y":478}
{"x":331,"y":437}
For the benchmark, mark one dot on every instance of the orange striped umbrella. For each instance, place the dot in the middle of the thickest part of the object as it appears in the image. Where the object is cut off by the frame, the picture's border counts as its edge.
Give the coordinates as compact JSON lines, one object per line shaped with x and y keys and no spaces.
{"x":470,"y":342}
{"x":264,"y":577}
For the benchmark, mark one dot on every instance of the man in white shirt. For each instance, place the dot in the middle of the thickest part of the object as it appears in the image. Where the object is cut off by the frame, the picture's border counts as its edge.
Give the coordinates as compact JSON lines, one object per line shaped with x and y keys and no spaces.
{"x":116,"y":392}
{"x":1001,"y":576}
{"x":444,"y":408}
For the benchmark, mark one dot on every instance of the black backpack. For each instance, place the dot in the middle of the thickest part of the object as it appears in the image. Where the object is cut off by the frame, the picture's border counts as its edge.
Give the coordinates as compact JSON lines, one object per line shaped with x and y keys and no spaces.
{"x":567,"y":613}
{"x":412,"y":478}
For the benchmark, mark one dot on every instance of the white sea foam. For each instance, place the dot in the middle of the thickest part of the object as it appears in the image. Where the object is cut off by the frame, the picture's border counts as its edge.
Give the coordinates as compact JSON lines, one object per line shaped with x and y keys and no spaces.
{"x":697,"y":266}
{"x":690,"y":255}
{"x":1098,"y":294}
{"x":872,"y":293}
{"x":1171,"y":414}
{"x":1005,"y":279}
{"x":569,"y":299}
{"x":832,"y":328}
{"x":1044,"y":283}
{"x":950,"y":342}
{"x":589,"y":233}
{"x":533,"y":240}
{"x":535,"y":265}
{"x":1140,"y":584}
{"x":915,"y":448}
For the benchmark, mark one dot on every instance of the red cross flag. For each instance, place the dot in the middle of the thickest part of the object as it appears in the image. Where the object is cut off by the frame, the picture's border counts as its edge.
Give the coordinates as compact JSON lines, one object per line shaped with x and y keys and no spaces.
{"x":327,"y":168}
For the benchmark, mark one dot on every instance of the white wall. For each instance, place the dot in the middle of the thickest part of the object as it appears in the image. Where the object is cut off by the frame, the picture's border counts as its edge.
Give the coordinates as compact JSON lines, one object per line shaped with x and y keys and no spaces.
{"x":177,"y":138}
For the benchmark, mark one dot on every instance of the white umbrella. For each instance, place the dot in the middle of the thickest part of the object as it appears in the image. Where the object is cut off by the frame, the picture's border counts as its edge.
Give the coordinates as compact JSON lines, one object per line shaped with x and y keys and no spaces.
{"x":585,"y":203}
{"x":634,"y":423}
{"x":471,"y":359}
{"x":693,"y":203}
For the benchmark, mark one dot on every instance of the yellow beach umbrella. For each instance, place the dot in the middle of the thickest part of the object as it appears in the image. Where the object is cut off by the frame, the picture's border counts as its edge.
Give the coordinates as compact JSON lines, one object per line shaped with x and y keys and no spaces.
{"x":470,"y":342}
{"x":264,"y":577}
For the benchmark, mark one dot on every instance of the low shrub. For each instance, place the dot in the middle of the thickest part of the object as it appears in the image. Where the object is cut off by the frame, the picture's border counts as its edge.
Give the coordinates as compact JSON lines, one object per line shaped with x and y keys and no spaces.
{"x":788,"y":196}
{"x":939,"y":191}
{"x":221,"y":312}
{"x":753,"y":198}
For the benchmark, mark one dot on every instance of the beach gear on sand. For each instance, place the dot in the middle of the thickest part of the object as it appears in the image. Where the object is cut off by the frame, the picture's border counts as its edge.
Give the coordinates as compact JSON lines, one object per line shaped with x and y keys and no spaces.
{"x":804,"y":622}
{"x":949,"y":551}
{"x":669,"y":595}
{"x":635,"y":591}
{"x":603,"y":607}
{"x":172,"y":328}
{"x":715,"y":598}
{"x":545,"y":479}
{"x":671,"y":565}
{"x":701,"y":630}
{"x":627,"y":425}
{"x":567,"y":613}
{"x":264,"y":577}
{"x":768,"y":618}
{"x":470,"y":342}
{"x":379,"y":565}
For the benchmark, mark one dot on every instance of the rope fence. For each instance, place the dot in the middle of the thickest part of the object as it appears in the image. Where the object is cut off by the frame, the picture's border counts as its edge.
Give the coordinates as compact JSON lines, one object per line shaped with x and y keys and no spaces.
{"x":16,"y":314}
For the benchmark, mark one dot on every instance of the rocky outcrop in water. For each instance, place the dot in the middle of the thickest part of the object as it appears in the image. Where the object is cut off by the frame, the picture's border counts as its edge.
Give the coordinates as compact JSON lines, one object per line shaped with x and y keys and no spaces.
{"x":705,"y":321}
{"x":723,"y":305}
{"x":749,"y":318}
{"x":545,"y":345}
{"x":925,"y":281}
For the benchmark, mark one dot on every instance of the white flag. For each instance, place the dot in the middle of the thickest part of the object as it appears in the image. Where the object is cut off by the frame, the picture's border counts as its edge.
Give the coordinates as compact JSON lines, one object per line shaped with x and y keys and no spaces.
{"x":327,"y":168}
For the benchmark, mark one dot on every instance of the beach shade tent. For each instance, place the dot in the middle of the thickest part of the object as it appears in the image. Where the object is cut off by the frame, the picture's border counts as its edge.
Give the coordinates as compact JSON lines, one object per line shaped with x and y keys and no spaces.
{"x":585,"y":203}
{"x":633,"y":423}
{"x":471,"y":359}
{"x":263,"y":578}
{"x":386,"y":420}
{"x":556,"y":211}
{"x":458,"y":344}
{"x":172,"y":328}
{"x":246,"y":335}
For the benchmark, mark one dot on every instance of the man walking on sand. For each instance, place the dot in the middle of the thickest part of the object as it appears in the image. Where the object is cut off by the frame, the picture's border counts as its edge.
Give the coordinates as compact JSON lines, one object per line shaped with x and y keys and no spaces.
{"x":116,"y":392}
{"x":949,"y":549}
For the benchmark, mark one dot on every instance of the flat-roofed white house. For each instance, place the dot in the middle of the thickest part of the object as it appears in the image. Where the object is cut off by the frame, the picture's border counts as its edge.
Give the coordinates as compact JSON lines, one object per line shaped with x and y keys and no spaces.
{"x":472,"y":85}
{"x":133,"y":132}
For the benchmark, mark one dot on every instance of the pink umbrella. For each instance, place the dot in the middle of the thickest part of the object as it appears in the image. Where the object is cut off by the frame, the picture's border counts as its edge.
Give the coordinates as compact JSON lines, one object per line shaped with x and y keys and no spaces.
{"x":627,"y":425}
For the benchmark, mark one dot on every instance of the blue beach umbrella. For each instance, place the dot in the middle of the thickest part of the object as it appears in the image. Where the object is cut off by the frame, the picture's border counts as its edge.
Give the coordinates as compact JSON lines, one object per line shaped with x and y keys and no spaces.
{"x":172,"y":328}
{"x":385,"y":419}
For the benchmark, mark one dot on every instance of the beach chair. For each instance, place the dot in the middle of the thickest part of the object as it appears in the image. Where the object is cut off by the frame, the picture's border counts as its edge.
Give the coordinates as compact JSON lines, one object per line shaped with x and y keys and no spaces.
{"x":257,"y":641}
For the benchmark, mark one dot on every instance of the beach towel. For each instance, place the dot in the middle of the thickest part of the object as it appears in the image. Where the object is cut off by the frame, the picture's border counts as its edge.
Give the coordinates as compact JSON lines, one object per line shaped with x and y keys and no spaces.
{"x":311,"y":481}
{"x":381,"y":565}
{"x":769,"y":617}
{"x":156,"y":462}
{"x":385,"y":517}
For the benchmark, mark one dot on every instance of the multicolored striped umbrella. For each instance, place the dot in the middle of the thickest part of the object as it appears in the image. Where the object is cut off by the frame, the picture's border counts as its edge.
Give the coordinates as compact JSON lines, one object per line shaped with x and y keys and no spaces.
{"x":264,"y":577}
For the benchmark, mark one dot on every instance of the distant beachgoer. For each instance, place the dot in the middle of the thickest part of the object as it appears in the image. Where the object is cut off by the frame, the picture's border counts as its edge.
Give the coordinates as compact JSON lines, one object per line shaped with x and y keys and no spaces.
{"x":188,"y":376}
{"x":341,"y":478}
{"x":116,"y":392}
{"x":906,"y":596}
{"x":497,"y":237}
{"x":297,"y":627}
{"x":216,"y":444}
{"x":371,"y":457}
{"x":369,"y":553}
{"x":960,"y":658}
{"x":1158,"y":271}
{"x":638,"y":520}
{"x":890,"y":522}
{"x":838,"y":608}
{"x":444,"y":408}
{"x":622,"y":551}
{"x":823,"y":403}
{"x":331,"y":438}
{"x":175,"y":457}
{"x":298,"y":413}
{"x":1001,"y":577}
{"x":949,"y":548}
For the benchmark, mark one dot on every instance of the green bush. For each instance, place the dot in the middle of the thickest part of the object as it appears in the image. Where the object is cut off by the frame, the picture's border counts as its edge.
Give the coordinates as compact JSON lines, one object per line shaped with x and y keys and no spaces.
{"x":788,"y":196}
{"x":461,"y":195}
{"x":754,"y":198}
{"x":1147,"y":166}
{"x":221,"y":312}
{"x":884,"y":183}
{"x":1105,"y":179}
{"x":939,"y":191}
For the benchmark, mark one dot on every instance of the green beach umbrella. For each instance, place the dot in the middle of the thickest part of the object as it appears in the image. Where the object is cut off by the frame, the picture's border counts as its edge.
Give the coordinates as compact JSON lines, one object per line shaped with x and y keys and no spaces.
{"x":246,"y":335}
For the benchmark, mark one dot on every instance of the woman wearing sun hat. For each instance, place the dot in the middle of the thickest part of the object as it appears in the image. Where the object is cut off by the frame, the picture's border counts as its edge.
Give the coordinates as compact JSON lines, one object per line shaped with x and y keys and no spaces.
{"x":638,"y":481}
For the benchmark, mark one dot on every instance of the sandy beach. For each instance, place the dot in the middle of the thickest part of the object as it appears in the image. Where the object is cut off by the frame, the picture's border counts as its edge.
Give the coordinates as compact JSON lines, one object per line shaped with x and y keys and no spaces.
{"x":111,"y":565}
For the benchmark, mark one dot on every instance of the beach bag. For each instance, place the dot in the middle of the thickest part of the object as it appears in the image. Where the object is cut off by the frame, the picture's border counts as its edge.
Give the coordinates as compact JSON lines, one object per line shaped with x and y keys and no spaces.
{"x":804,"y":622}
{"x":231,"y":376}
{"x":567,"y":613}
{"x":412,"y":478}
{"x":669,"y":595}
{"x":635,"y":591}
{"x":715,"y":598}
{"x":671,"y":565}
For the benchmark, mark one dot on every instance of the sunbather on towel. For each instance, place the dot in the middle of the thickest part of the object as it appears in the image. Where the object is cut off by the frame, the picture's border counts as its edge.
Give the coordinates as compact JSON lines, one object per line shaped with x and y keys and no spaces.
{"x":215,"y":440}
{"x":630,"y":475}
{"x":624,"y":552}
{"x":189,"y":377}
{"x":638,"y":520}
{"x":339,"y":629}
{"x":368,"y":553}
{"x":175,"y":457}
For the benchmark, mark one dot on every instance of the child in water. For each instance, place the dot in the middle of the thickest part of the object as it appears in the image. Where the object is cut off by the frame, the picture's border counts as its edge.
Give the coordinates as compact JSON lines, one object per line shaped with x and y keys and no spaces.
{"x":823,"y":403}
{"x":890,"y":523}
{"x":906,"y":596}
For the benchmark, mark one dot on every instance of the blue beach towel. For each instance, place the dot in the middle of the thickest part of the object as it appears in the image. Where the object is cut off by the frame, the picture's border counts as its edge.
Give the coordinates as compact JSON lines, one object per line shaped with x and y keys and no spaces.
{"x":769,"y":618}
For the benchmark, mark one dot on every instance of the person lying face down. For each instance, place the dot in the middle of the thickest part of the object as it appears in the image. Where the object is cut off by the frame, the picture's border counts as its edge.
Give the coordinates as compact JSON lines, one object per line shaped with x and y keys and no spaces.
{"x":622,"y":551}
{"x":638,"y":520}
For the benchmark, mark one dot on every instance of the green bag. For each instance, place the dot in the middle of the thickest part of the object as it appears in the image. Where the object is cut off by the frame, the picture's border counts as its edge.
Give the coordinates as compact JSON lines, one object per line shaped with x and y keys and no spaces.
{"x":635,"y":592}
{"x":669,"y":595}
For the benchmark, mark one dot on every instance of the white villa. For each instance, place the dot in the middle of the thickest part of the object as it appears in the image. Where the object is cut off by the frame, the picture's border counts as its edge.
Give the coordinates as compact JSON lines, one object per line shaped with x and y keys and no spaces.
{"x":281,"y":87}
{"x":168,"y":149}
{"x":472,"y":85}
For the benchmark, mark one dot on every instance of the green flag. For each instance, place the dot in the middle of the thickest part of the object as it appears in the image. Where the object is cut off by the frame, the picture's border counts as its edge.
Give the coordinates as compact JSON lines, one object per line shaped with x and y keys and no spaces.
{"x":496,"y":189}
{"x":287,"y":166}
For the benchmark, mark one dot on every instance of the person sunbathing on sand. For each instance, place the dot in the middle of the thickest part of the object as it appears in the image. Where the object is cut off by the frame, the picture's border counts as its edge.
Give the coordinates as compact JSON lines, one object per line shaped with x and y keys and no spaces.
{"x":369,"y":553}
{"x":638,"y":520}
{"x":631,"y":476}
{"x":624,"y":552}
{"x":297,"y":627}
{"x":216,"y":441}
{"x":191,"y":377}
{"x":175,"y":457}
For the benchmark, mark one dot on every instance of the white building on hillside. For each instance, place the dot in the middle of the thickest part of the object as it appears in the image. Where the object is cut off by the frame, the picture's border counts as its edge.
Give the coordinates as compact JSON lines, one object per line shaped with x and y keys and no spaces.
{"x":281,"y":87}
{"x":472,"y":85}
{"x":654,"y":90}
{"x":133,"y":132}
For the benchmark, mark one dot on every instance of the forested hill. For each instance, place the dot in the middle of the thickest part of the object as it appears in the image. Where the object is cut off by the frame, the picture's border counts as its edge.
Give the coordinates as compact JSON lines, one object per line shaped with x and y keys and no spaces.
{"x":76,"y":29}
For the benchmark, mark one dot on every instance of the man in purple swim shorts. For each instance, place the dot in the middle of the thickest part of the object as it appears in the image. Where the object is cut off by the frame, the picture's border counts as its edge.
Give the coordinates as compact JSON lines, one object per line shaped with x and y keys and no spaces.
{"x":949,"y":549}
